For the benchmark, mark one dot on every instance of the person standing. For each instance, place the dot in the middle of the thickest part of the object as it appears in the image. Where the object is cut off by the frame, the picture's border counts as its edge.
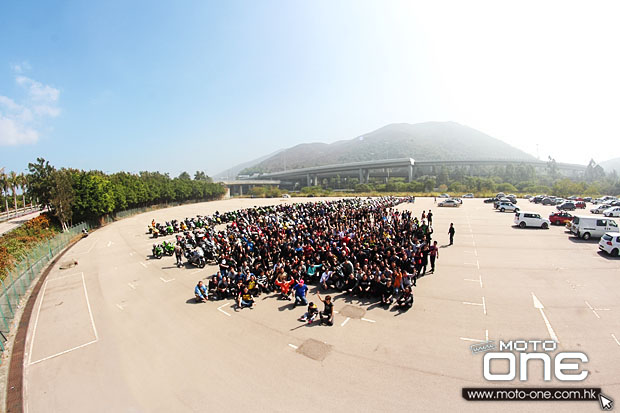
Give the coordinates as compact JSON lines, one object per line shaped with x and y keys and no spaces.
{"x":178,"y":252}
{"x":433,"y":253}
{"x":451,"y":233}
{"x":429,"y":217}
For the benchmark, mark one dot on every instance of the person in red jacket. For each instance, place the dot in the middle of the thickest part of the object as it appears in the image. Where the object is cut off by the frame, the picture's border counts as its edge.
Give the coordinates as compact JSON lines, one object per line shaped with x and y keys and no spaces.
{"x":285,"y":288}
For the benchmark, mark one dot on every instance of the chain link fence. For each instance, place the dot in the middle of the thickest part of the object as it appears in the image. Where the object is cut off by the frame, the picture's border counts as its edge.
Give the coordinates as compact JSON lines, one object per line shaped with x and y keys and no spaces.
{"x":19,"y":279}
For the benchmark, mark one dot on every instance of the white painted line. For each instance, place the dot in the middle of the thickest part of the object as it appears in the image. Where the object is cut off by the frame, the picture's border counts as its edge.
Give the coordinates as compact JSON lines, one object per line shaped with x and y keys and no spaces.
{"x":142,"y":264}
{"x":166,"y":281}
{"x":484,"y":306}
{"x":540,"y":307}
{"x":479,"y":280}
{"x":90,"y":312}
{"x":293,"y":346}
{"x":486,"y":334}
{"x":64,"y":276}
{"x":615,"y":339}
{"x":468,"y":303}
{"x":110,"y":243}
{"x":471,"y":339}
{"x":345,"y":321}
{"x":36,"y":321}
{"x":120,"y":307}
{"x":336,"y":312}
{"x":370,"y":321}
{"x":222,"y":311}
{"x":595,"y":313}
{"x":133,"y":287}
{"x":63,"y":352}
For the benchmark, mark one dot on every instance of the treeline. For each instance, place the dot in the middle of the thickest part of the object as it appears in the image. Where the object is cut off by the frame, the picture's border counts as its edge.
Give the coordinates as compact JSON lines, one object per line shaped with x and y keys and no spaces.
{"x":74,"y":195}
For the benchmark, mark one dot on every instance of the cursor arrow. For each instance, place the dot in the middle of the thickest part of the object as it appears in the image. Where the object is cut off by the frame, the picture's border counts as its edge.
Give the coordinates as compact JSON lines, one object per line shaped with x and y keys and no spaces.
{"x":606,"y":402}
{"x":540,"y":307}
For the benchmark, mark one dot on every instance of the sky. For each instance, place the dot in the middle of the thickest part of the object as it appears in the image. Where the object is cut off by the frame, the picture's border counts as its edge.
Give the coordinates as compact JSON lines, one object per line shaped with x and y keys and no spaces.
{"x":205,"y":85}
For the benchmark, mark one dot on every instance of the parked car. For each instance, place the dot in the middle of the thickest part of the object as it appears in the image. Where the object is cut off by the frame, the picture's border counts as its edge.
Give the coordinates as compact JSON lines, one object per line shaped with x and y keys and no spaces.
{"x":610,"y":243}
{"x":592,"y":227}
{"x":528,"y":196}
{"x":587,"y":199}
{"x":598,"y":209}
{"x":507,"y":206}
{"x":459,"y":200}
{"x":449,"y":203}
{"x":548,"y":201}
{"x":468,"y":196}
{"x":489,"y":200}
{"x":580,"y":204}
{"x":566,"y":206}
{"x":286,"y":196}
{"x":560,"y":218}
{"x":612,"y":212}
{"x":531,"y":219}
{"x":444,"y":196}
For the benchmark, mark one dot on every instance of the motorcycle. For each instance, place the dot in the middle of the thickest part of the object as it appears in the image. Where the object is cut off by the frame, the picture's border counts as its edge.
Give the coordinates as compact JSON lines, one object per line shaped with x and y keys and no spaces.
{"x":158,"y":251}
{"x":168,"y":248}
{"x":197,"y":258}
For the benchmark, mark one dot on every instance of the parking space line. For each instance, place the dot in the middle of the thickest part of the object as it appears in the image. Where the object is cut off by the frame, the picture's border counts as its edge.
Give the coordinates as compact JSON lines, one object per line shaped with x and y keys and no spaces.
{"x":142,"y":264}
{"x":370,"y":321}
{"x":166,"y":281}
{"x":484,"y":306}
{"x":133,"y":287}
{"x":345,"y":321}
{"x":540,"y":307}
{"x":222,"y":311}
{"x":615,"y":339}
{"x":120,"y":307}
{"x":293,"y":346}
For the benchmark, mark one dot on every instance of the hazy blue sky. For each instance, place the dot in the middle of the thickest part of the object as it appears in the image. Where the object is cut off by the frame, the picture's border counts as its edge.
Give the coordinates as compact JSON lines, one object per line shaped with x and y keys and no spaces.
{"x":134,"y":85}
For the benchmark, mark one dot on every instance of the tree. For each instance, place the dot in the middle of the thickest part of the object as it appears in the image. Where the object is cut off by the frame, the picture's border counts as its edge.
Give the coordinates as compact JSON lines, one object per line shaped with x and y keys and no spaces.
{"x":201,"y":176}
{"x":23,"y":184}
{"x":62,"y":196}
{"x":185,"y":176}
{"x":14,"y":182}
{"x":4,"y":186}
{"x":39,"y":181}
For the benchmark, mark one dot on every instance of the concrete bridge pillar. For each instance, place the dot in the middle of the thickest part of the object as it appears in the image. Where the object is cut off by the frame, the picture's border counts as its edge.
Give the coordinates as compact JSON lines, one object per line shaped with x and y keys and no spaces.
{"x":410,"y":173}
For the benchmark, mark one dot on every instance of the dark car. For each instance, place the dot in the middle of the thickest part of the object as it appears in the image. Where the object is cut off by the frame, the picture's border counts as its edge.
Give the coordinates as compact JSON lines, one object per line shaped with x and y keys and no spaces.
{"x":560,"y":218}
{"x":547,"y":201}
{"x":566,"y":206}
{"x":489,"y":200}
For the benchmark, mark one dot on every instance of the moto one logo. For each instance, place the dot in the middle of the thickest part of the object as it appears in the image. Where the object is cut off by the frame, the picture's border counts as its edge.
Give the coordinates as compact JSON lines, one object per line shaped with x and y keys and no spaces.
{"x":565,"y":364}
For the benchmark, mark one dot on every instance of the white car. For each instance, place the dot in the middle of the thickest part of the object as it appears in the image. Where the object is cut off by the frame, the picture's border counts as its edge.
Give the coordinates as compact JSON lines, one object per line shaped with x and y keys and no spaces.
{"x":449,"y":203}
{"x":286,"y":196}
{"x":612,"y":212}
{"x":610,"y":243}
{"x":507,"y":206}
{"x":531,"y":219}
{"x":468,"y":196}
{"x":599,"y":209}
{"x":444,"y":196}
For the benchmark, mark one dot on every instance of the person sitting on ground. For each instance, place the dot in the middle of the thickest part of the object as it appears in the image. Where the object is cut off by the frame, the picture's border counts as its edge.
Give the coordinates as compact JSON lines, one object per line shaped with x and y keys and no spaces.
{"x":363,"y":287}
{"x":311,"y":314}
{"x":300,"y":289}
{"x":223,"y":289}
{"x":285,"y":287}
{"x":405,"y":301}
{"x":253,"y":286}
{"x":350,"y":284}
{"x":202,"y":296}
{"x":213,"y":286}
{"x":327,"y":315}
{"x":387,"y":296}
{"x":245,"y":299}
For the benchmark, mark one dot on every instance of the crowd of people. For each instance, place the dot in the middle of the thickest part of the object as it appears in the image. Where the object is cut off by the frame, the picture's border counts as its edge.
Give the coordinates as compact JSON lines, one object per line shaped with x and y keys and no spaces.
{"x":360,"y":247}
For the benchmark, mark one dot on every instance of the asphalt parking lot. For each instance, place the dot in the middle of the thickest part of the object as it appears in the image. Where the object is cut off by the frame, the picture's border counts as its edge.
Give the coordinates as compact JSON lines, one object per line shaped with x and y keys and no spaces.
{"x":120,"y":331}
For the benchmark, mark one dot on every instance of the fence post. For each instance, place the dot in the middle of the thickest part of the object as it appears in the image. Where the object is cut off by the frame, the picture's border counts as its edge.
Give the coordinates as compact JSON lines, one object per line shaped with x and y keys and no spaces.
{"x":8,"y":297}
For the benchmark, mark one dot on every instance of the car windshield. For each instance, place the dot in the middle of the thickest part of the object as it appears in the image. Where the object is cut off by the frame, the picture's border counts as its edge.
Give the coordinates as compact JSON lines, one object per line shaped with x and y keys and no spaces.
{"x":612,"y":223}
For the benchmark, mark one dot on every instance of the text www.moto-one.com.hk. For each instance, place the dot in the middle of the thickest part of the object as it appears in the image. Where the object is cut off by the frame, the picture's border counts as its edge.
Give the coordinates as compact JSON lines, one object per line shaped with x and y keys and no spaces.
{"x":531,"y":394}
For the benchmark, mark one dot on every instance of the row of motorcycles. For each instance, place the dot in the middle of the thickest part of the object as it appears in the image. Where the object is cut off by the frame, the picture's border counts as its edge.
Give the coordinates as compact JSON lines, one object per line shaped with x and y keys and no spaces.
{"x":189,"y":224}
{"x":198,"y":249}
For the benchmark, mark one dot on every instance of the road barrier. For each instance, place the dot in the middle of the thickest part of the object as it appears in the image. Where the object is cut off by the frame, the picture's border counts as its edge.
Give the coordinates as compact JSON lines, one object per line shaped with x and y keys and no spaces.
{"x":18,"y":280}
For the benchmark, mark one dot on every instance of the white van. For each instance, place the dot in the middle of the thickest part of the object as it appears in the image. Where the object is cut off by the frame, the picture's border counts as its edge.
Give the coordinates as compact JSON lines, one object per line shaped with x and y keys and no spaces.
{"x":587,"y":227}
